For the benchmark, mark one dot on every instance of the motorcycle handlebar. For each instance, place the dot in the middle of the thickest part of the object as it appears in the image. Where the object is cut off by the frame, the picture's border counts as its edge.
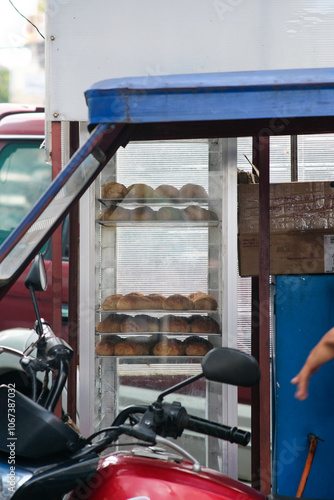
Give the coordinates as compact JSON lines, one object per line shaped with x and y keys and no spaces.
{"x":231,"y":434}
{"x":51,"y":346}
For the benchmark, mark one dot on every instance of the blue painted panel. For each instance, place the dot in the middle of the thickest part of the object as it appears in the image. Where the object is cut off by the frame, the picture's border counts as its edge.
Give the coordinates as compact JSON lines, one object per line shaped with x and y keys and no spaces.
{"x":304,"y":312}
{"x":216,"y":96}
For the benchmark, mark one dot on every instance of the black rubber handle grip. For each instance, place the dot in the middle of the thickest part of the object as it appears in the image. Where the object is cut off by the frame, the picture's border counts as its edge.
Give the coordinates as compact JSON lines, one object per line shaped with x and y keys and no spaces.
{"x":231,"y":434}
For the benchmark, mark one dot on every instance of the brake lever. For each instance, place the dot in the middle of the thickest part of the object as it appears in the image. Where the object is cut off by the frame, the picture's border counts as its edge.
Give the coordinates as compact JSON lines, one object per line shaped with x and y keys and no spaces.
{"x":31,"y":347}
{"x":11,"y":350}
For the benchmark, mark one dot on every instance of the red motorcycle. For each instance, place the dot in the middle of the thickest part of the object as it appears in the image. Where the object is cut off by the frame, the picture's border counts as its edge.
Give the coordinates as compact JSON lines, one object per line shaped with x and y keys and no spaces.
{"x":41,"y":457}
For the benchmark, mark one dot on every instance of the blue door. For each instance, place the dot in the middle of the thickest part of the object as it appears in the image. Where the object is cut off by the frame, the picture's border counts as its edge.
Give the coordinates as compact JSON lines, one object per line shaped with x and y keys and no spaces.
{"x":304,"y":311}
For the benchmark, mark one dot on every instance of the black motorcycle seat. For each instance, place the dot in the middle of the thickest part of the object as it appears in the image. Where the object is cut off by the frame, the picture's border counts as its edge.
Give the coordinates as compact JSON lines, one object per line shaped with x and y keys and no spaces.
{"x":30,"y":431}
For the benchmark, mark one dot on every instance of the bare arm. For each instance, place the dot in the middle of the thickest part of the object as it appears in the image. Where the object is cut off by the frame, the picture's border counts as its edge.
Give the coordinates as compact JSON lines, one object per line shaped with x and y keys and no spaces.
{"x":320,"y":354}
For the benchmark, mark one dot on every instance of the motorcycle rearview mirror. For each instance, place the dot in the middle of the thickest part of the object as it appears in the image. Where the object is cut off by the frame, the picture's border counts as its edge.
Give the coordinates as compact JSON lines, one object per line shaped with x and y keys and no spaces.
{"x":36,"y":281}
{"x":231,"y":366}
{"x":225,"y":365}
{"x":36,"y":278}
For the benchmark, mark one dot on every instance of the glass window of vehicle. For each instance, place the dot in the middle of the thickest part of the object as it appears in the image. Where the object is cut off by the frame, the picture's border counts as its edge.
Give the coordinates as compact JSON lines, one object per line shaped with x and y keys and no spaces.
{"x":24,"y":176}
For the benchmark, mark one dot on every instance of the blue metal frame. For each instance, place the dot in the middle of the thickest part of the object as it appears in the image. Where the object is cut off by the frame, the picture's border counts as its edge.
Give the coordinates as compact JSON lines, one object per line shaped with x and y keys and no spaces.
{"x":248,"y":95}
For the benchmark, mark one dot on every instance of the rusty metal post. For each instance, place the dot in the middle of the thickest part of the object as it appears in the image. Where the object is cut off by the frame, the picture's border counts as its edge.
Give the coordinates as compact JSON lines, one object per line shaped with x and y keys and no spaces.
{"x":56,"y":311}
{"x":56,"y":239}
{"x":261,"y":405}
{"x":73,"y":288}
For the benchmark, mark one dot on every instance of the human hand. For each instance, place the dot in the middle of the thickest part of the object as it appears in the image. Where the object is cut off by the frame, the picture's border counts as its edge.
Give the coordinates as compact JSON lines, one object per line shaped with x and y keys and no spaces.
{"x":302,"y":382}
{"x":320,"y":354}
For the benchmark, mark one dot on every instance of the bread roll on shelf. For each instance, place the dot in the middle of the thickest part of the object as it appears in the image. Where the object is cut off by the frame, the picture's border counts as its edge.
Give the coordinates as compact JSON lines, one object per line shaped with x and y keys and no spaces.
{"x":170,"y":323}
{"x":169,"y":213}
{"x":193,"y":191}
{"x":133,"y":324}
{"x":204,"y":325}
{"x":203,"y":301}
{"x":156,"y":300}
{"x":136,"y":301}
{"x":168,"y":347}
{"x":152,"y":345}
{"x":144,"y":213}
{"x":133,"y":301}
{"x":167,"y":191}
{"x":105,"y":346}
{"x":113,"y":190}
{"x":178,"y":302}
{"x":110,"y":324}
{"x":141,"y":192}
{"x":196,"y":346}
{"x":127,"y":347}
{"x":110,"y":303}
{"x":174,"y":324}
{"x":140,"y":323}
{"x":198,"y":213}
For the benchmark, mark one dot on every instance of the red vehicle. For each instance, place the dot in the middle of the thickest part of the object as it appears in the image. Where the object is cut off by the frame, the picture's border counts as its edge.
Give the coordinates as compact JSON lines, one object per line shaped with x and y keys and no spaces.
{"x":24,"y":176}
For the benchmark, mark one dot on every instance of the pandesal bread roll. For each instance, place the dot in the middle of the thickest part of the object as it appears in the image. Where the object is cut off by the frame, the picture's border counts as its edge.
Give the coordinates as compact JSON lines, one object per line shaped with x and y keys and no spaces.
{"x":156,"y":300}
{"x":203,"y":301}
{"x":133,"y":301}
{"x":114,"y":190}
{"x":153,"y":324}
{"x":115,"y":213}
{"x":193,"y":296}
{"x":203,"y":324}
{"x":167,"y":191}
{"x":197,"y":213}
{"x":189,"y":191}
{"x":169,"y":213}
{"x":174,"y":324}
{"x":127,"y":347}
{"x":104,"y":349}
{"x":148,"y":341}
{"x":110,"y":324}
{"x":142,"y":213}
{"x":168,"y":347}
{"x":140,"y":323}
{"x":196,"y":346}
{"x":141,"y":192}
{"x":133,"y":324}
{"x":178,"y":302}
{"x":106,"y":345}
{"x":110,"y":303}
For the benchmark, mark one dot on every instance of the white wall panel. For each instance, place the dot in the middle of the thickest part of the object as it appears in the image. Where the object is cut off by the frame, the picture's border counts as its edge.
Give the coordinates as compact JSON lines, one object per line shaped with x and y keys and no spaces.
{"x":91,"y":41}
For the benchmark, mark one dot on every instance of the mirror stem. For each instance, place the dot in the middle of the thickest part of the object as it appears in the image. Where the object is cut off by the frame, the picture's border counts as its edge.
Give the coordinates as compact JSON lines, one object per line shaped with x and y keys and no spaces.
{"x":39,"y":328}
{"x":179,"y":386}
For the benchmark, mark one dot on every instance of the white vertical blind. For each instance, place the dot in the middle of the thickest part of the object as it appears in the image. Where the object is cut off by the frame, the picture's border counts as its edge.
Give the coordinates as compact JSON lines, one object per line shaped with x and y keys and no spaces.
{"x":166,"y":259}
{"x":316,"y":157}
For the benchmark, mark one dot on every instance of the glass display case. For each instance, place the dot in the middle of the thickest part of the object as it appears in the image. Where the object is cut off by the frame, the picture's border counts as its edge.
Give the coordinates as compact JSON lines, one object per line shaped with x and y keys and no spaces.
{"x":158,"y":279}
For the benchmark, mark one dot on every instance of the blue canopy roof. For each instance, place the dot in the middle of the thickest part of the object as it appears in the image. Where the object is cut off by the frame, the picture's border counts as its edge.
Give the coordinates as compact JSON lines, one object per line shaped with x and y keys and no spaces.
{"x":250,"y":95}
